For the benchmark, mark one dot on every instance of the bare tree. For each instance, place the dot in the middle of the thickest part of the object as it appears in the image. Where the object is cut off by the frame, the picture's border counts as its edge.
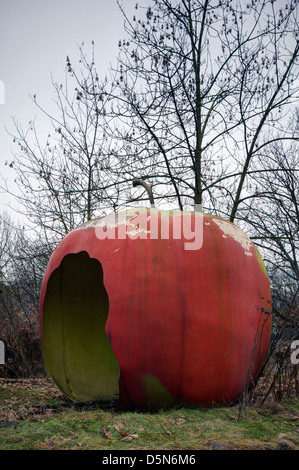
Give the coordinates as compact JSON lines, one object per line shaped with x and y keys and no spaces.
{"x":199,"y":91}
{"x":273,"y":215}
{"x":272,"y":220}
{"x":25,"y":260}
{"x":6,"y":240}
{"x":200,"y":87}
{"x":68,"y":178}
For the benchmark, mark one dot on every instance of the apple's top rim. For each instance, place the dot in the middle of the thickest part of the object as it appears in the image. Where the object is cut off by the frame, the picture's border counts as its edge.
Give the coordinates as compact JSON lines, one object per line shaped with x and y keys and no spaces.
{"x":133,"y":210}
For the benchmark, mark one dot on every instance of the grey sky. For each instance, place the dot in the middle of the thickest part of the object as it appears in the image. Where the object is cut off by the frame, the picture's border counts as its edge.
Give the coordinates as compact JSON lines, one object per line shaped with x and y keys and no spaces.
{"x":35,"y":38}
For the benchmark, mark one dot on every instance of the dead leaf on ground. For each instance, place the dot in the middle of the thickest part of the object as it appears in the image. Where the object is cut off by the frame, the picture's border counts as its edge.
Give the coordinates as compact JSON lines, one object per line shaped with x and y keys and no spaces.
{"x":127,"y":438}
{"x":106,"y":434}
{"x":11,"y":416}
{"x":31,"y":409}
{"x":130,"y":437}
{"x":180,"y":421}
{"x":119,"y":428}
{"x":119,"y":425}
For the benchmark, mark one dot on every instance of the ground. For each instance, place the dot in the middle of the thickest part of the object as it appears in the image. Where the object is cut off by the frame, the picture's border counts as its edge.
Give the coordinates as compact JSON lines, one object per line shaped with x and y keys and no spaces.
{"x":35,"y":415}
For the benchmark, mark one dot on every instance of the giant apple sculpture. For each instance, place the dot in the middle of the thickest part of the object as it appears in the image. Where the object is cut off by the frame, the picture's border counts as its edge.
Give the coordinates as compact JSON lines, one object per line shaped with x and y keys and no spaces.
{"x":131,"y":309}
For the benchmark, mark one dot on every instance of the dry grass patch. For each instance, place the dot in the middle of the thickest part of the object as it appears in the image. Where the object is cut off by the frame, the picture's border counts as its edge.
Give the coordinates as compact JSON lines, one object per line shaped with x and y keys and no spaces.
{"x":35,"y":415}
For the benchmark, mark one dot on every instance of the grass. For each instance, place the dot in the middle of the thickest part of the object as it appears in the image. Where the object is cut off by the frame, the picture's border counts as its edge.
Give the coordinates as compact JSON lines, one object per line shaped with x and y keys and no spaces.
{"x":34,"y":415}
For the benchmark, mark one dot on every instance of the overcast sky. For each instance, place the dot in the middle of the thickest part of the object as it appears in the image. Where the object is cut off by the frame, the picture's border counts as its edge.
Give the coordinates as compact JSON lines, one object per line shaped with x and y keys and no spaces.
{"x":35,"y":38}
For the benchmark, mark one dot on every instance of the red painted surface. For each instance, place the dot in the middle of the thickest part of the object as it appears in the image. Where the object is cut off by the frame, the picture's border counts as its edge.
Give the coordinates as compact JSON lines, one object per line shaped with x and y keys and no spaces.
{"x":197,"y":321}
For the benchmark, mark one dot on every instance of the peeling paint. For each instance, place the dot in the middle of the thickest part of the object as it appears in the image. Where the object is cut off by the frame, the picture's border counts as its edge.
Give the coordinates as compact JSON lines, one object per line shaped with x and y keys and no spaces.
{"x":230,"y":230}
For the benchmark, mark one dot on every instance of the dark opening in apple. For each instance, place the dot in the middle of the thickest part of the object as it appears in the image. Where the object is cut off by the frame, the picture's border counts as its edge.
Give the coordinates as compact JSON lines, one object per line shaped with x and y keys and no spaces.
{"x":76,"y":351}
